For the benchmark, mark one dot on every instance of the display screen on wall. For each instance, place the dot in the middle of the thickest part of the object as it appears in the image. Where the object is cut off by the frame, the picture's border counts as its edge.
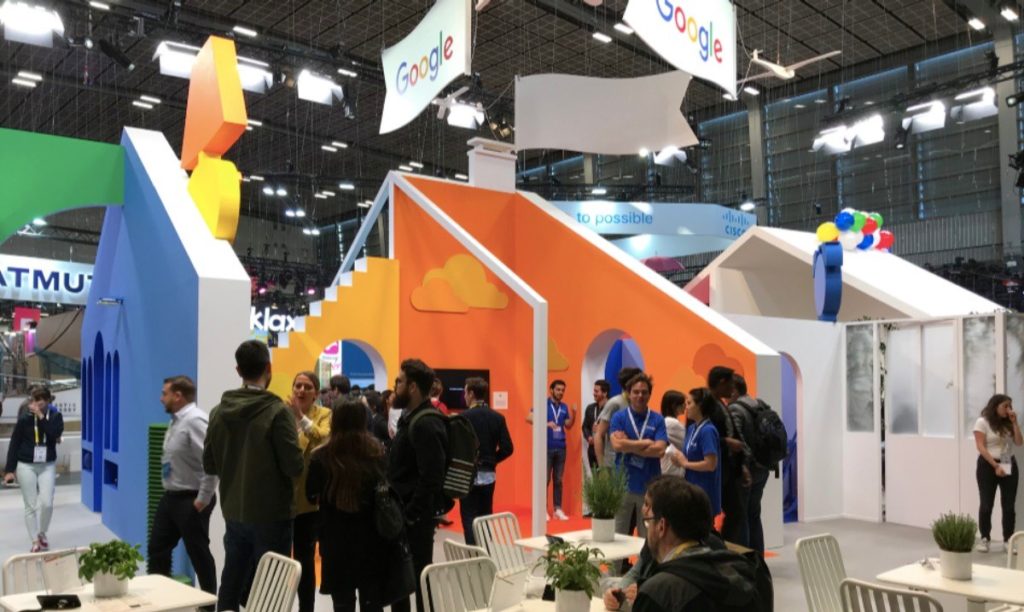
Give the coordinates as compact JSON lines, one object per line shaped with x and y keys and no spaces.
{"x":454,"y":383}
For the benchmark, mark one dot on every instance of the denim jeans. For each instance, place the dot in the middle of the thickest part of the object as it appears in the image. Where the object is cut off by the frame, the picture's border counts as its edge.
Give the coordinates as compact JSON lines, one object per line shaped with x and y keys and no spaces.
{"x":244,"y":545}
{"x":479,"y":502}
{"x":556,"y":468}
{"x":37,"y":481}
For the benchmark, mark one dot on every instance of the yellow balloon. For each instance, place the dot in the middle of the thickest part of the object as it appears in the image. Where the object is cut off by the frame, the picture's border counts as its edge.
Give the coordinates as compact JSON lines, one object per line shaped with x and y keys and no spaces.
{"x":828,"y":232}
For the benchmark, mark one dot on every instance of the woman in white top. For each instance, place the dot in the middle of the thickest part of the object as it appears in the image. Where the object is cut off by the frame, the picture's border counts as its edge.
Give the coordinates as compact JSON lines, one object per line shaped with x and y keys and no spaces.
{"x":673,"y":403}
{"x":996,"y":465}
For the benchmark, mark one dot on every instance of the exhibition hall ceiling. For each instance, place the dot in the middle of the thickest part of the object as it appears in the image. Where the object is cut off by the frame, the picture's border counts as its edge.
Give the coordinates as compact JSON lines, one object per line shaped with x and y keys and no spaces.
{"x":86,"y":94}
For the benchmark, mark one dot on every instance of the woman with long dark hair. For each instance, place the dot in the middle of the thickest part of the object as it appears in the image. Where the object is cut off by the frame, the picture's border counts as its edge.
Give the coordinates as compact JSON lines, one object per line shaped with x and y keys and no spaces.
{"x":673,"y":406}
{"x":378,"y":417}
{"x":343,"y":475}
{"x":701,"y":456}
{"x":997,"y":468}
{"x":313,"y":424}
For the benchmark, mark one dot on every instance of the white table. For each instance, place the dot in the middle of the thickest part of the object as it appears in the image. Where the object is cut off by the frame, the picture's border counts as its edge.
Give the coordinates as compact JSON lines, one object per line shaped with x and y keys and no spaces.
{"x":154,"y":593}
{"x":539,"y":605}
{"x":622,"y":548}
{"x":988,"y":584}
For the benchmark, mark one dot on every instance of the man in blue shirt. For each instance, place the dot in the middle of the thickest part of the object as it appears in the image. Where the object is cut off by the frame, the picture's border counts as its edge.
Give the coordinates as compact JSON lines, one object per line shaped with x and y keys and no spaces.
{"x":639,"y":438}
{"x":560,"y":417}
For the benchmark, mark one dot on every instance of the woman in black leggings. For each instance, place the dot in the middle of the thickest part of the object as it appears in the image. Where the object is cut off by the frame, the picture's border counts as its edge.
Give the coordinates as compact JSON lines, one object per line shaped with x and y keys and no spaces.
{"x":997,"y":468}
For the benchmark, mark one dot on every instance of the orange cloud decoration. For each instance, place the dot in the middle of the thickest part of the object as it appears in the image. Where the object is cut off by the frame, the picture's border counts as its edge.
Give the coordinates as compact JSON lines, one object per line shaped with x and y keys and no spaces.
{"x":709,"y":356}
{"x":215,"y":116}
{"x":557,"y":362}
{"x":468,"y":280}
{"x":436,"y":295}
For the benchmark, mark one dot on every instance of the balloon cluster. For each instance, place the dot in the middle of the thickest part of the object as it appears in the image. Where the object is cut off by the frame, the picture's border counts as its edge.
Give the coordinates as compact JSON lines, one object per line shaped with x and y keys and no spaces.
{"x":855,"y":229}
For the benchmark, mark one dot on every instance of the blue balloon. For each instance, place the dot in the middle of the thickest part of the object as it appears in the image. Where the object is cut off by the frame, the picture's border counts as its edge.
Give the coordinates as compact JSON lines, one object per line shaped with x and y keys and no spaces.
{"x":865,"y":244}
{"x":844,"y":221}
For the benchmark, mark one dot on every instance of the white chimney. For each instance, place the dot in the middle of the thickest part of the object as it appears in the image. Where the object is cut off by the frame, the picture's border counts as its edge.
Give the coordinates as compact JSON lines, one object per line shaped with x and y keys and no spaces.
{"x":492,"y":164}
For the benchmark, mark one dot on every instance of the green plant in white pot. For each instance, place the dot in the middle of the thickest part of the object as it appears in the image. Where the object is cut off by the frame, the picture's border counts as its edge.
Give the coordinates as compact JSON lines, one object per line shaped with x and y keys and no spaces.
{"x":572,"y":570}
{"x":954,"y":533}
{"x":603,"y":493}
{"x":109,"y":567}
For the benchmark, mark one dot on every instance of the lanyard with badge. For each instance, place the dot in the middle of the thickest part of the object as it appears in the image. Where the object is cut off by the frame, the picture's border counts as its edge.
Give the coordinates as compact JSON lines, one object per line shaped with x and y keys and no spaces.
{"x":1006,"y":459}
{"x":39,"y":451}
{"x":636,"y":460}
{"x":559,"y":432}
{"x":692,"y":442}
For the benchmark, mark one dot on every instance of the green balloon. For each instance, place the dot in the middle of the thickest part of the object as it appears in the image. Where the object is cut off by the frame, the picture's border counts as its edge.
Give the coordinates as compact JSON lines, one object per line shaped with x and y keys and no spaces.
{"x":878,"y":219}
{"x":858,"y":221}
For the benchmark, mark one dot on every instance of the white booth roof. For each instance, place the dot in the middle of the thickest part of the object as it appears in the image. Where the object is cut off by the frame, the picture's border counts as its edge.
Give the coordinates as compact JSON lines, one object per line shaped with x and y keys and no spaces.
{"x":768,"y":272}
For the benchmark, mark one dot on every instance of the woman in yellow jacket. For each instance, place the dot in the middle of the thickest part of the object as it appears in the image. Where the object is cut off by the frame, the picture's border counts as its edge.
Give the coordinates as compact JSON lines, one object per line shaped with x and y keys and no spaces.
{"x":313,"y":423}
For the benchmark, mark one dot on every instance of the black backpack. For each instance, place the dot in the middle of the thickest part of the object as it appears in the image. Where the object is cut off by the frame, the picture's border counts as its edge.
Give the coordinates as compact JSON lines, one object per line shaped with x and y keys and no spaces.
{"x":463,"y":449}
{"x":769,"y":441}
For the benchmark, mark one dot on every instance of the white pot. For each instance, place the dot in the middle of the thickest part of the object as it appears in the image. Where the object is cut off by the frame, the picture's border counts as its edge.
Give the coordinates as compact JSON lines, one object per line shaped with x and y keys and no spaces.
{"x":571,"y":601}
{"x":603,"y":529}
{"x":955,"y":566}
{"x":108,"y":585}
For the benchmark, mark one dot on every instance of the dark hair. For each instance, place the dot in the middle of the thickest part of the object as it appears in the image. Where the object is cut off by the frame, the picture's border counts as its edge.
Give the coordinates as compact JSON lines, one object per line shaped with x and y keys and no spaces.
{"x":741,"y":384}
{"x":705,"y":401}
{"x":350,"y":455}
{"x":376,"y":403}
{"x":313,"y":378}
{"x":991,"y":414}
{"x":385,"y":395}
{"x":555,"y":383}
{"x":340,"y":383}
{"x":672,"y":403}
{"x":252,"y":358}
{"x":638,"y":378}
{"x":604,"y":385}
{"x":627,"y":373}
{"x":436,"y":387}
{"x":41,"y":392}
{"x":183,"y":385}
{"x":718,"y":375}
{"x":478,"y":387}
{"x":684,"y":506}
{"x":419,"y":374}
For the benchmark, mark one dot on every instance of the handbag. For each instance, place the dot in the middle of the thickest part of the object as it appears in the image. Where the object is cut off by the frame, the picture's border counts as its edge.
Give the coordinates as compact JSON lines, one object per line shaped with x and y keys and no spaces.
{"x":387,"y":512}
{"x":400,"y":579}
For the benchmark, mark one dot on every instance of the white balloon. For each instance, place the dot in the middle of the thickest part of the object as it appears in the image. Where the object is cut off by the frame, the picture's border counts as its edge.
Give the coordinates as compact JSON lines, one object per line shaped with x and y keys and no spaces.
{"x":877,"y":234}
{"x":850,"y":239}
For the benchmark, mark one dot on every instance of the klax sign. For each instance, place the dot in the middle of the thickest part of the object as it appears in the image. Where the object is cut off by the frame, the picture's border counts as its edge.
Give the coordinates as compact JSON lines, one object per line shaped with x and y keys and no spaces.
{"x":416,"y":69}
{"x":695,"y":36}
{"x":270,"y":320}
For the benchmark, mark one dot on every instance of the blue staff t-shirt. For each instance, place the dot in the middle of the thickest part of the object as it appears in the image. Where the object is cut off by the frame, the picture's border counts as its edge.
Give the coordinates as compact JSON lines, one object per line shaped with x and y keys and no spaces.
{"x":639,"y":470}
{"x":700,"y":442}
{"x":557,"y":414}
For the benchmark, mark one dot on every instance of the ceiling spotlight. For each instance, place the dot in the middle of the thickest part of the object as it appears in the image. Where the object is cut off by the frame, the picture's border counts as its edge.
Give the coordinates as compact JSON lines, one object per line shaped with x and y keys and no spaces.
{"x":176,"y":59}
{"x":463,"y":115}
{"x":320,"y":196}
{"x":339,"y":144}
{"x":364,"y":204}
{"x":729,"y":97}
{"x":301,"y":214}
{"x":976,"y":23}
{"x":748,"y":204}
{"x":29,"y":24}
{"x":752,"y":90}
{"x":900,"y":137}
{"x":307,"y":231}
{"x":30,"y":76}
{"x":103,"y":6}
{"x":625,"y":29}
{"x":257,"y":177}
{"x":289,"y":213}
{"x":114,"y":52}
{"x":598,"y":191}
{"x":405,"y":168}
{"x":329,"y":148}
{"x":267,"y":190}
{"x":150,"y":99}
{"x":461,"y":177}
{"x":602,"y":37}
{"x":254,"y":122}
{"x":318,"y":89}
{"x":140,"y":104}
{"x":39,"y":221}
{"x":1009,"y":12}
{"x":311,"y":291}
{"x":349,"y":73}
{"x":644,"y":152}
{"x":346,"y":186}
{"x":254,"y":74}
{"x":244,"y":31}
{"x":925,"y":117}
{"x":329,"y":194}
{"x":281,"y":192}
{"x":416,"y":164}
{"x":1011,"y":100}
{"x":315,"y":231}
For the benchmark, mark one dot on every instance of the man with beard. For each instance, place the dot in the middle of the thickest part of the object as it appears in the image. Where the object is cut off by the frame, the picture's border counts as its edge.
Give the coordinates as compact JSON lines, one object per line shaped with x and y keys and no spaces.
{"x":416,"y":465}
{"x":252,"y":444}
{"x":560,"y":418}
{"x":188,"y":500}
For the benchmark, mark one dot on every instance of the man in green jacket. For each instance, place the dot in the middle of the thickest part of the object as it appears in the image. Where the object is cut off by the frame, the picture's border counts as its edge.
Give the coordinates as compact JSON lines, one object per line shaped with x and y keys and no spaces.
{"x":253,"y":446}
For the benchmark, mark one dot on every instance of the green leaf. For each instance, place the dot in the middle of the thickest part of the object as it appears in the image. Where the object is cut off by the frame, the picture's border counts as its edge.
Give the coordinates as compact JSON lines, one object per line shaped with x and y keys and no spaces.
{"x":569,"y":567}
{"x":955,"y":532}
{"x":604,"y":491}
{"x":114,"y":557}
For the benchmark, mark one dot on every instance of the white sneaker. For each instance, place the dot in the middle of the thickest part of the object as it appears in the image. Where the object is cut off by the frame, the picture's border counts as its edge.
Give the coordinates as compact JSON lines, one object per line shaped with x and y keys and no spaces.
{"x":983,"y":545}
{"x":560,"y":515}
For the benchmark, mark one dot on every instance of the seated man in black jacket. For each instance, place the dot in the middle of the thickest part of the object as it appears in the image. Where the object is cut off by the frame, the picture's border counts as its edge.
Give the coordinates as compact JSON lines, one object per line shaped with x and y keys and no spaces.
{"x":495,"y":447}
{"x":689,"y":575}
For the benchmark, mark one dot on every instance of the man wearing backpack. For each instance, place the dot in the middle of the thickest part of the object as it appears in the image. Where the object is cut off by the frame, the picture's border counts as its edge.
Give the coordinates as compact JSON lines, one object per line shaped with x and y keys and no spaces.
{"x":760,"y":427}
{"x":416,"y":468}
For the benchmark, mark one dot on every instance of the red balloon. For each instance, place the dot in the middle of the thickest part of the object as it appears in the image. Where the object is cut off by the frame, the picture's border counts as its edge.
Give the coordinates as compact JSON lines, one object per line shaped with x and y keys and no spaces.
{"x":870,"y":225}
{"x":885,"y":239}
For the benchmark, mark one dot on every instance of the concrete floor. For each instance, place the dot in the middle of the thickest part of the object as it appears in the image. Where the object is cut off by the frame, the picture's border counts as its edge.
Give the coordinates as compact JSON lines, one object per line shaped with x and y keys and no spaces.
{"x":868,"y":548}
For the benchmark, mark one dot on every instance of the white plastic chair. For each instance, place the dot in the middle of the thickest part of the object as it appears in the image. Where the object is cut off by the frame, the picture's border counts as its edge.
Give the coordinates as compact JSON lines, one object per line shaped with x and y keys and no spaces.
{"x":497,"y":534}
{"x":24,"y":573}
{"x":821,"y":571}
{"x":457,"y":551}
{"x":860,"y":596}
{"x":275,"y":584}
{"x":1015,"y":551}
{"x":458,"y":586}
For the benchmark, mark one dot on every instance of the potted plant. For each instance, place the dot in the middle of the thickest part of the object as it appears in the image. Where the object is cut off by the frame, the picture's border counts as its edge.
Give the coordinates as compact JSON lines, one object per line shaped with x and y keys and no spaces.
{"x":954,"y":533}
{"x":572,"y":570}
{"x":604,"y":492}
{"x":109,"y":567}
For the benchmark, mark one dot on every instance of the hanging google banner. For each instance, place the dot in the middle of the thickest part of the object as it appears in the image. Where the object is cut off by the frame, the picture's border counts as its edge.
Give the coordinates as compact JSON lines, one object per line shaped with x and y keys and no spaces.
{"x":695,"y":36}
{"x":421,"y":65}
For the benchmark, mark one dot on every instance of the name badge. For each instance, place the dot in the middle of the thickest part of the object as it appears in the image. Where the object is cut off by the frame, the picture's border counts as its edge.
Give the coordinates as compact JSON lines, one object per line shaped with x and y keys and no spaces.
{"x":558,"y":433}
{"x":1007,"y":467}
{"x":165,"y":470}
{"x":636,"y":461}
{"x":39,"y":454}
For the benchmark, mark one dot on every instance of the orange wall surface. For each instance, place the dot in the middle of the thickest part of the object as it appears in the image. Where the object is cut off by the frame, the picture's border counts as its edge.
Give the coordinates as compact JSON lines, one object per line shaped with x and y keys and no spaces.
{"x":589,"y":292}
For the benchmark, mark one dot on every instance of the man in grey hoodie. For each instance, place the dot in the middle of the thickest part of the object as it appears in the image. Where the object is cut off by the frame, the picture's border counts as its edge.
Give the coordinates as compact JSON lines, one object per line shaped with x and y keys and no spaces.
{"x":253,"y":446}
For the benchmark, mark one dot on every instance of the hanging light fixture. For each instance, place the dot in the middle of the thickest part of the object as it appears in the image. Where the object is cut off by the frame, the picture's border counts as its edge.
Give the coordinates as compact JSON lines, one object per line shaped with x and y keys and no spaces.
{"x":30,"y":24}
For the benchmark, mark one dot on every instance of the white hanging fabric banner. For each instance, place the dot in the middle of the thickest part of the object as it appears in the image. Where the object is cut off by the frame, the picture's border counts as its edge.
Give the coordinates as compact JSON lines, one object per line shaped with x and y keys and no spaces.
{"x":607,"y":116}
{"x":434,"y":54}
{"x":695,"y":36}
